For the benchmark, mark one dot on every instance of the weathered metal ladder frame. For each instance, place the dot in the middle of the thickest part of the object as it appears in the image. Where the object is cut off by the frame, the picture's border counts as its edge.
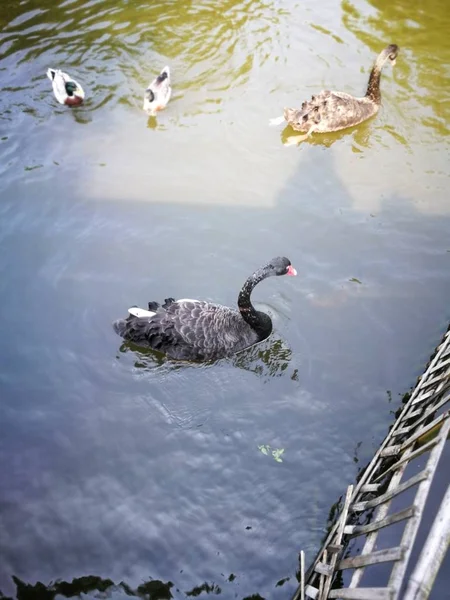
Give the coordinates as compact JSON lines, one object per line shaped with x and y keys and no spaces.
{"x":406,"y":441}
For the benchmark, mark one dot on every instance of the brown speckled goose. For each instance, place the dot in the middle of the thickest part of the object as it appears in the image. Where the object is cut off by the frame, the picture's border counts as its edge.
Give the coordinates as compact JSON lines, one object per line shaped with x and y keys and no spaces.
{"x":332,"y":111}
{"x":197,"y":330}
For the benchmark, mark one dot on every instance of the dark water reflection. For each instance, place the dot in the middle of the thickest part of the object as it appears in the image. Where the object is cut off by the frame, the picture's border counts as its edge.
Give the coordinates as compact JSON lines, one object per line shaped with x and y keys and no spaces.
{"x":150,"y":590}
{"x":118,"y":465}
{"x":267,"y":359}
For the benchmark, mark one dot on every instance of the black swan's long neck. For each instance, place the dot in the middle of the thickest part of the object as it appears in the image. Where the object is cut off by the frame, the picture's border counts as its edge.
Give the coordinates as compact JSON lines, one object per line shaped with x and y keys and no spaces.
{"x":246,"y":308}
{"x":373,"y":87}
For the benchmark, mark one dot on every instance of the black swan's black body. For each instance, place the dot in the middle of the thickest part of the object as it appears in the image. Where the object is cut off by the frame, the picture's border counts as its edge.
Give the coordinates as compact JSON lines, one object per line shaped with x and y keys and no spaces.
{"x":197,"y":330}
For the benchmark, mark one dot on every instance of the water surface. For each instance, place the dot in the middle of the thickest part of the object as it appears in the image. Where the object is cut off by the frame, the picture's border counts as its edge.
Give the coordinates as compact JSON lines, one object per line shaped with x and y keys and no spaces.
{"x":126,"y":468}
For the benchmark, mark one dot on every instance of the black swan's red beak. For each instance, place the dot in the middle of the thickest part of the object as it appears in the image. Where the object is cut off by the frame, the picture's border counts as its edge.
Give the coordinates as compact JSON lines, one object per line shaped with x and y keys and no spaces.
{"x":291,"y":271}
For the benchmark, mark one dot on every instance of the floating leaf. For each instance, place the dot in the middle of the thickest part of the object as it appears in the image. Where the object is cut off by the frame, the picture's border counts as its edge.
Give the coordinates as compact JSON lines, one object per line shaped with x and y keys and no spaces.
{"x":354,"y":280}
{"x":264,"y":449}
{"x":277,"y":454}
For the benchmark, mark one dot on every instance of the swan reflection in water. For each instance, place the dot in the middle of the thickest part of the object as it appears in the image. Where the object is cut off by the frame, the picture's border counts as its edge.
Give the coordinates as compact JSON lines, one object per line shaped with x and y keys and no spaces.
{"x":269,"y":358}
{"x":360,"y":133}
{"x":266,"y":359}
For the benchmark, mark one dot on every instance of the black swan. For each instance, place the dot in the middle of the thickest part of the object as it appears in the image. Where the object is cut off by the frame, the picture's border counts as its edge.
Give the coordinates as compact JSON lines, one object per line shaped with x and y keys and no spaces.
{"x":333,"y":111}
{"x":197,"y":330}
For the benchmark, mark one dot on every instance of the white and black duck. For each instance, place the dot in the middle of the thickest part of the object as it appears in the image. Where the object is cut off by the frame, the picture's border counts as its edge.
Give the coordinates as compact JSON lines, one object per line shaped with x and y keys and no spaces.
{"x":66,"y":89}
{"x":333,"y":111}
{"x":197,"y":330}
{"x":158,"y":93}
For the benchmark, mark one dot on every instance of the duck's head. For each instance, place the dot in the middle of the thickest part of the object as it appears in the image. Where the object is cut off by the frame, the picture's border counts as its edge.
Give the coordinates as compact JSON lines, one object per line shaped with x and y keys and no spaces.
{"x":165,"y":74}
{"x":75,"y":93}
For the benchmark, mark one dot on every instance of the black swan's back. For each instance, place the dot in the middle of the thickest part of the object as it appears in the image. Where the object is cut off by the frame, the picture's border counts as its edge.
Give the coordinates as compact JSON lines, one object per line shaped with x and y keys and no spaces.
{"x":199,"y":330}
{"x":191,"y":330}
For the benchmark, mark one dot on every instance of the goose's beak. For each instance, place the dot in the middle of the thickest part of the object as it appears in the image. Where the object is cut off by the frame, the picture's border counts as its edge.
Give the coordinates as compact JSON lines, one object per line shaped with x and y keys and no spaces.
{"x":291,"y":271}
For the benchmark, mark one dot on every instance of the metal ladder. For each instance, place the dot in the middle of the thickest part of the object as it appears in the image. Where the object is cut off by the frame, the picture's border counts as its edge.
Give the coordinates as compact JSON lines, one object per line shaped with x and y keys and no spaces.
{"x":417,"y":431}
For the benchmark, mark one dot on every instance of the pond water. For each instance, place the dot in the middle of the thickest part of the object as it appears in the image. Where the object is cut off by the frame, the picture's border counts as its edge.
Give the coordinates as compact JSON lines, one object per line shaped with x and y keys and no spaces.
{"x":123,"y":467}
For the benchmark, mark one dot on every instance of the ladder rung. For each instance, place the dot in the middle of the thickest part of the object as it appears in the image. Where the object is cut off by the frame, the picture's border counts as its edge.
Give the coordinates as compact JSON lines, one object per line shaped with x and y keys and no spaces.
{"x":413,"y":414}
{"x":423,"y":396}
{"x":440,"y":365}
{"x":311,"y":592}
{"x":373,"y":558}
{"x":390,"y":451}
{"x":424,"y":430}
{"x":433,"y":380}
{"x":360,"y":506}
{"x":441,"y":389}
{"x":355,"y":530}
{"x":369,"y":487}
{"x":323,"y":569}
{"x":403,"y":430}
{"x":413,"y":454}
{"x":431,"y":411}
{"x":334,"y":548}
{"x":361,"y":594}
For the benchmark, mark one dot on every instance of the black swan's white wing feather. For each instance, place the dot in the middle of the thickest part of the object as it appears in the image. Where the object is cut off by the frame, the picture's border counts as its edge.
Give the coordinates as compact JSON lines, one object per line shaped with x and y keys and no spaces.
{"x":140,"y":312}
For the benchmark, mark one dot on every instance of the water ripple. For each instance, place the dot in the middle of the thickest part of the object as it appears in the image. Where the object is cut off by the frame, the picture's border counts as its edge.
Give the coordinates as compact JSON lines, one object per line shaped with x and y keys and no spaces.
{"x":90,"y":39}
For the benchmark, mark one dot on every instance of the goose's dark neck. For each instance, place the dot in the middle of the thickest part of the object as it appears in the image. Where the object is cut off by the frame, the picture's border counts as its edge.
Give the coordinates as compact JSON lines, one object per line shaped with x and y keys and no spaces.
{"x":245,"y":306}
{"x":373,"y":87}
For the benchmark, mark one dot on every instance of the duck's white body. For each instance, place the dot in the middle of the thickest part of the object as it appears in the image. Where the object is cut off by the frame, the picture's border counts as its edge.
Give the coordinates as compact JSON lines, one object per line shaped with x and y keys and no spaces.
{"x":158,"y":93}
{"x":66,"y":89}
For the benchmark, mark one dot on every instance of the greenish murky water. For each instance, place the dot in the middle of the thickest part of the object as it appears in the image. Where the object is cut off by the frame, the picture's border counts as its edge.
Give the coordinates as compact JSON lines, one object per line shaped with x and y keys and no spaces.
{"x":117,"y":468}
